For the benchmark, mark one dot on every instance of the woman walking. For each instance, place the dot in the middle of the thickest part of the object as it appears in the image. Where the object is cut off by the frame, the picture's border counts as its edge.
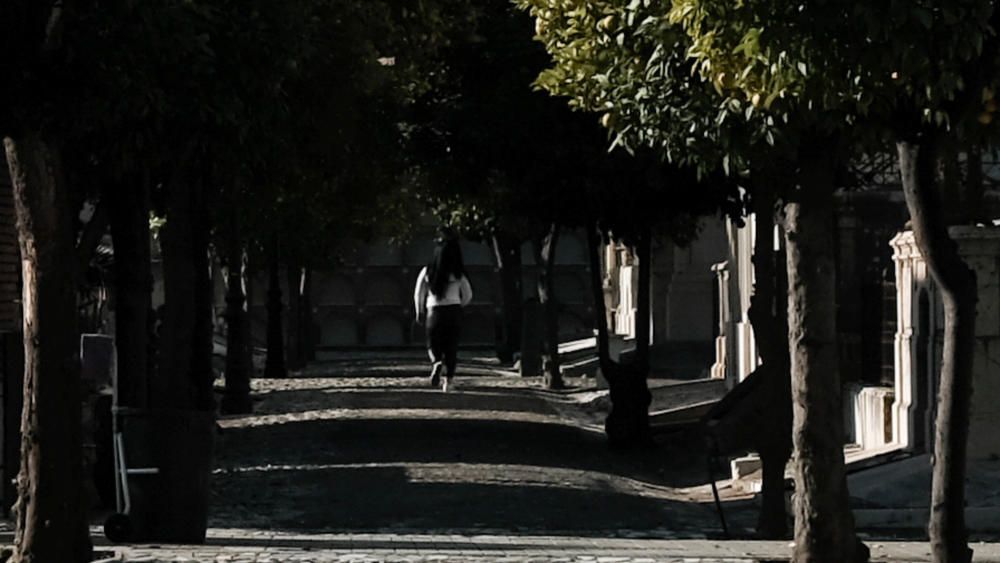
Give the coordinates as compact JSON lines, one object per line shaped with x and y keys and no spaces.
{"x":441,"y":292}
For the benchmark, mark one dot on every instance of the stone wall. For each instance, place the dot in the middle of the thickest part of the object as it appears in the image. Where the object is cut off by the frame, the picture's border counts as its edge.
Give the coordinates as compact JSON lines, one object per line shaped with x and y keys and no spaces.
{"x":368,"y":302}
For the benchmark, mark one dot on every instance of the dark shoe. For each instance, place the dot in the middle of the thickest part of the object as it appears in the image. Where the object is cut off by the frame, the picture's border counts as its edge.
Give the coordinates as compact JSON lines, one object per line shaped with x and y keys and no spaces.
{"x":436,"y":374}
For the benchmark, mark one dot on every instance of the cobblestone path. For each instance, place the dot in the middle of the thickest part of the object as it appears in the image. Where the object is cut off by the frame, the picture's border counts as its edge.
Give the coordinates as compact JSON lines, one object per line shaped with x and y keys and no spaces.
{"x":495,"y":455}
{"x":364,"y":469}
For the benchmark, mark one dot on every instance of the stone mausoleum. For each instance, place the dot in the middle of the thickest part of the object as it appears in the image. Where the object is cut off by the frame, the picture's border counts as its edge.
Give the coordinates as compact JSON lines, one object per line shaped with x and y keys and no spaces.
{"x":890,"y":326}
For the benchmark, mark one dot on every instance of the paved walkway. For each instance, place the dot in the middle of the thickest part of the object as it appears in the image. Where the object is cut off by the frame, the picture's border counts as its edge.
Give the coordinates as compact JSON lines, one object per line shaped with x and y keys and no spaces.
{"x":261,"y":547}
{"x":383,"y":468}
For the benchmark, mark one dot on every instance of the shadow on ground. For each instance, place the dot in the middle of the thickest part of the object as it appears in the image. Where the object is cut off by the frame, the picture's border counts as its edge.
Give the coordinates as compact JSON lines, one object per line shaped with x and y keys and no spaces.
{"x":473,"y":398}
{"x":363,"y":473}
{"x":678,"y":462}
{"x":381,"y":497}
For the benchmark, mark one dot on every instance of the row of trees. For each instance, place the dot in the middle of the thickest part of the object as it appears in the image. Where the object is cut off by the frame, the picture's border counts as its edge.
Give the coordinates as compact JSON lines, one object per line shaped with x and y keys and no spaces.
{"x":506,"y":164}
{"x":782,"y":96}
{"x":272,"y":127}
{"x":264,"y":132}
{"x":231,"y":122}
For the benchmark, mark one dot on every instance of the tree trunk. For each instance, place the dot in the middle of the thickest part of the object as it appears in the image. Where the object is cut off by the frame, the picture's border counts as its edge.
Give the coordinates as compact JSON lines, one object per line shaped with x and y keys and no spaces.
{"x":250,"y":278}
{"x":644,"y":253}
{"x":824,"y":524}
{"x":182,"y":420}
{"x":767,"y":314}
{"x":236,"y":399}
{"x":545,"y":257}
{"x":307,"y":334}
{"x":507,"y":252}
{"x":597,"y":293}
{"x":972,"y":207}
{"x":50,"y":513}
{"x":956,"y":284}
{"x":185,"y":377}
{"x":274,"y":365}
{"x":627,"y":425}
{"x":129,"y":217}
{"x":293,"y":344}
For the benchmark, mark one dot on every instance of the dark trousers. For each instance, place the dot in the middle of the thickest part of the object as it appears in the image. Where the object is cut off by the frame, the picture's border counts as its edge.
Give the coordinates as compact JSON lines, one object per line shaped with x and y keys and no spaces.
{"x":442,"y":335}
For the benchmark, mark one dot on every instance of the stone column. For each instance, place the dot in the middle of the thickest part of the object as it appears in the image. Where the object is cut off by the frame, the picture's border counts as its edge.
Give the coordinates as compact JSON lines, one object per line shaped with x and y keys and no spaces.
{"x":740,"y":292}
{"x":628,"y":283}
{"x":719,"y":368}
{"x":910,"y":413}
{"x":609,"y":278}
{"x":918,"y":342}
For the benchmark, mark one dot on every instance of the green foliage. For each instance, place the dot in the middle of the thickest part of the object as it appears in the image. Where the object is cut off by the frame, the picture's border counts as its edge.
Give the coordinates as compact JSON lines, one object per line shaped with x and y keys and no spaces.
{"x":739,"y":85}
{"x":291,"y":111}
{"x":853,"y":67}
{"x":500,"y":154}
{"x":342,"y":176}
{"x":626,"y":61}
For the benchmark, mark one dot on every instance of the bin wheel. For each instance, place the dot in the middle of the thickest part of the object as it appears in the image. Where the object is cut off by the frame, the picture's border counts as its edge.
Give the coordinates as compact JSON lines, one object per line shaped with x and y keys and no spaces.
{"x":118,"y":528}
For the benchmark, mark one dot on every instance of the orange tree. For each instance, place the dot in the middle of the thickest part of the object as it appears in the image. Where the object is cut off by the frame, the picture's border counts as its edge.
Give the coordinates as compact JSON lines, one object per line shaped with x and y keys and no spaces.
{"x":506,"y":158}
{"x":817,"y":85}
{"x":920,"y":75}
{"x":626,"y":62}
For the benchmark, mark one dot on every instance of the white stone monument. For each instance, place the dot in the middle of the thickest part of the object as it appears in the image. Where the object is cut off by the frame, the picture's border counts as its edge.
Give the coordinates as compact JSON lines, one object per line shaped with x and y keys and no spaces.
{"x":918,"y":343}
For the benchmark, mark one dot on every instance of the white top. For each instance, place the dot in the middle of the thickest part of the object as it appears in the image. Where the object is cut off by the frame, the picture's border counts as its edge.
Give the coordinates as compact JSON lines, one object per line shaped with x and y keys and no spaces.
{"x":458,"y":292}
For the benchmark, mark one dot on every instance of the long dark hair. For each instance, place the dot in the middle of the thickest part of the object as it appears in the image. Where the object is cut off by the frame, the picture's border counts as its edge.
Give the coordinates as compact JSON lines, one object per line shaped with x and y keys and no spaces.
{"x":447,"y":263}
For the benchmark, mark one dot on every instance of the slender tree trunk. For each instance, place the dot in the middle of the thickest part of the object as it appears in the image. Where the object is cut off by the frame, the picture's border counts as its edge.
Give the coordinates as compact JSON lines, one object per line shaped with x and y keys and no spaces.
{"x":249,"y":276}
{"x":293,"y":344}
{"x":956,"y":284}
{"x":824,"y":524}
{"x":186,"y":360}
{"x":545,"y":255}
{"x":307,"y":338}
{"x":643,"y":316}
{"x":768,"y":317}
{"x":597,"y":293}
{"x":507,"y":252}
{"x":236,"y":399}
{"x":129,"y":217}
{"x":274,"y":365}
{"x":952,"y":190}
{"x":50,"y":513}
{"x":973,"y":208}
{"x":182,"y":420}
{"x":627,"y":425}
